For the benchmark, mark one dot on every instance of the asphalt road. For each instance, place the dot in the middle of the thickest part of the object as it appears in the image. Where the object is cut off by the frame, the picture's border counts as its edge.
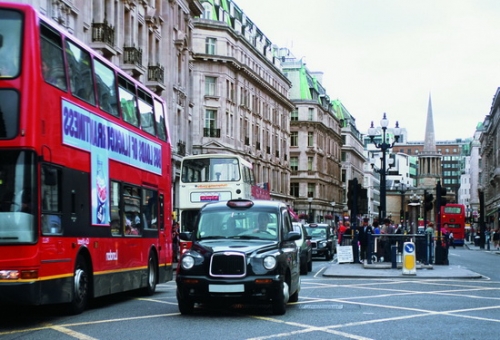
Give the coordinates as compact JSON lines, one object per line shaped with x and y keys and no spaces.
{"x":328,"y":308}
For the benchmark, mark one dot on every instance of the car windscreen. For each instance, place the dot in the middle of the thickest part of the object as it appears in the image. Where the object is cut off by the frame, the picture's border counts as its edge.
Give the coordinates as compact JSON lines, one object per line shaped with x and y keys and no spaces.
{"x":230,"y":223}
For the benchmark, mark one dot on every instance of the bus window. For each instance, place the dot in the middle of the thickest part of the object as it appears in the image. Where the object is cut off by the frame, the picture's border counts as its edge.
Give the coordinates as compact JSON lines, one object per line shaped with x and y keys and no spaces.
{"x":10,"y":47}
{"x":52,"y":58}
{"x":51,"y":199}
{"x":150,"y":209}
{"x":114,"y":203}
{"x":161,"y":129}
{"x":131,"y":208}
{"x":80,"y":73}
{"x":106,"y":91}
{"x":19,"y":200}
{"x":128,"y":104}
{"x":146,"y":112}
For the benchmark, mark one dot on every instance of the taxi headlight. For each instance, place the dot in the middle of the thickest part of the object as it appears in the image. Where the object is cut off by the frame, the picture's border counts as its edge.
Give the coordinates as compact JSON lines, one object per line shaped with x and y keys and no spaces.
{"x":187,"y":262}
{"x":269,"y":262}
{"x":322,"y":244}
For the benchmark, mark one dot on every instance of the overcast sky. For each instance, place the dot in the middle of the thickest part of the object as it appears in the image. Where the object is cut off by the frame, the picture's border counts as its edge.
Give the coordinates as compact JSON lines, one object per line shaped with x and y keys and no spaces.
{"x":389,"y":55}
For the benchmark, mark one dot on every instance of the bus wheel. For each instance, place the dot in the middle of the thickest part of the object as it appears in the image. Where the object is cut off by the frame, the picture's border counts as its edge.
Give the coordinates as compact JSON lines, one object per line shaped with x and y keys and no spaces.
{"x":151,"y":275}
{"x":80,"y":287}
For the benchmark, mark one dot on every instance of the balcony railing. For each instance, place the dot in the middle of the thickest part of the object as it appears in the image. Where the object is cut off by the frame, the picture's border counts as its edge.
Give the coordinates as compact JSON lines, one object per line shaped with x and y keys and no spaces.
{"x":102,"y":32}
{"x":181,"y":148}
{"x":207,"y":132}
{"x":132,"y":55}
{"x":156,"y":73}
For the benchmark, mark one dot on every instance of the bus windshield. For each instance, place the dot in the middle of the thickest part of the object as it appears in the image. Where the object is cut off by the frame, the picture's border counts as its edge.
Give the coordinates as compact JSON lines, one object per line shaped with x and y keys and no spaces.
{"x":210,"y":170}
{"x":17,"y":197}
{"x":10,"y":43}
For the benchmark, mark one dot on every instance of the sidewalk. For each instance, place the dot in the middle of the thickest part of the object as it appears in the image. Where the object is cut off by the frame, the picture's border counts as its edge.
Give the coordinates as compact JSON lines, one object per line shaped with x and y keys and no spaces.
{"x":471,"y":246}
{"x":384,"y":270}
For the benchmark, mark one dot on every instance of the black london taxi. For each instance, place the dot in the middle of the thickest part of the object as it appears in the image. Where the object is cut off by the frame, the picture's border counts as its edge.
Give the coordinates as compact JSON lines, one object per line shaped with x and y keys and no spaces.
{"x":321,"y":240}
{"x":242,"y":252}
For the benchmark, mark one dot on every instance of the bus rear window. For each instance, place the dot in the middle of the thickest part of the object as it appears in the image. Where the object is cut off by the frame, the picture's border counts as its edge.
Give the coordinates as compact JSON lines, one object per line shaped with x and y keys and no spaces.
{"x":10,"y":43}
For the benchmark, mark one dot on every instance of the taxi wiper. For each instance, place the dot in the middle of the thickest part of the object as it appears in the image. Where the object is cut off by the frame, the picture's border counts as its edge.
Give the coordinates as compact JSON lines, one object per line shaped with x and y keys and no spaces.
{"x":212,"y":237}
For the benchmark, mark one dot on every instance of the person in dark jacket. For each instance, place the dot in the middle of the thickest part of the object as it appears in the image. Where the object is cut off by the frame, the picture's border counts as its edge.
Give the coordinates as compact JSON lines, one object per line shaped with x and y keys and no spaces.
{"x":364,"y":236}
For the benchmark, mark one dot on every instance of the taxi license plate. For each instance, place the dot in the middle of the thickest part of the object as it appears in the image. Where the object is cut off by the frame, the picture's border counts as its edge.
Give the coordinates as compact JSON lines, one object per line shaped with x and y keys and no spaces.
{"x":226,"y":288}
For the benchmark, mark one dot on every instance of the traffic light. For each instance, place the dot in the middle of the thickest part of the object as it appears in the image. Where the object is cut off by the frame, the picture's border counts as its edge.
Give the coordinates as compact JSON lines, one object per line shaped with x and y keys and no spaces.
{"x":428,"y":201}
{"x":441,"y":195}
{"x":351,"y":193}
{"x":443,"y":199}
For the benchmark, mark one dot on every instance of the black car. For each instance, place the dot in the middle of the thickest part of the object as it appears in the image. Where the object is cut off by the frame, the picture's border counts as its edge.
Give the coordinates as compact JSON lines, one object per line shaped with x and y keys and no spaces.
{"x":242,"y":251}
{"x":321,"y":240}
{"x":305,"y":248}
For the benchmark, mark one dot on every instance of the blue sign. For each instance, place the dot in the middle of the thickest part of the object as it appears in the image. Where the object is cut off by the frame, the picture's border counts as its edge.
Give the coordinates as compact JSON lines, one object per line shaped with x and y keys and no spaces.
{"x":409,"y":248}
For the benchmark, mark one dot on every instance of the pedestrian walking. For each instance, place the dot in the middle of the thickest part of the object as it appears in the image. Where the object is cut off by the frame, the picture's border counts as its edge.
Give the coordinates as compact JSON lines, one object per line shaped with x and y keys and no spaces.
{"x":496,"y":239}
{"x":451,"y":239}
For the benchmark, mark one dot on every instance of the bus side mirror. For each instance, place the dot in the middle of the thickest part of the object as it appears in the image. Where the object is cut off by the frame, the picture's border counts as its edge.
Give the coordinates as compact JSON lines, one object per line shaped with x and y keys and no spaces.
{"x":1,"y":41}
{"x":186,"y":235}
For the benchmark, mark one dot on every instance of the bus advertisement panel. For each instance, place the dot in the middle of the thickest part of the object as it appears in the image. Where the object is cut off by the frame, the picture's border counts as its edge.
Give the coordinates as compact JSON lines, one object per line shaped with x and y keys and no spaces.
{"x":84,"y":170}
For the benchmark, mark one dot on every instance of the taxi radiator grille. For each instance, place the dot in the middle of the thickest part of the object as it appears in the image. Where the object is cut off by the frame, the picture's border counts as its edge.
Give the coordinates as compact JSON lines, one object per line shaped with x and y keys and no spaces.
{"x":228,"y":264}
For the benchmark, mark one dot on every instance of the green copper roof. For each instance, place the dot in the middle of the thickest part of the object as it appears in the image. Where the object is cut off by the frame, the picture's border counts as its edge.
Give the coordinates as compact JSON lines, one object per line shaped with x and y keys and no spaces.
{"x":305,"y":93}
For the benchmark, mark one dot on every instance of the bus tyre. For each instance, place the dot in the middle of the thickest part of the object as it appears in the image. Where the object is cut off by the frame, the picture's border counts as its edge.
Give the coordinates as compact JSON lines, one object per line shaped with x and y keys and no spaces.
{"x":80,"y":287}
{"x":151,"y":275}
{"x":186,"y":306}
{"x":279,"y":304}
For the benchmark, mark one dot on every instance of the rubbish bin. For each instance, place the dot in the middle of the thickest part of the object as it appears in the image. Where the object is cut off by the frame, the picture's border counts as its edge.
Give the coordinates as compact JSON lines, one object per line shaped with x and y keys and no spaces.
{"x":476,"y":241}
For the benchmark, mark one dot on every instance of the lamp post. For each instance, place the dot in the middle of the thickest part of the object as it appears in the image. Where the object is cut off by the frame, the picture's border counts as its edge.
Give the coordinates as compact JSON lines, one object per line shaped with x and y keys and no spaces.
{"x":402,"y":189}
{"x":310,"y":199}
{"x":384,"y":145}
{"x":333,"y":212}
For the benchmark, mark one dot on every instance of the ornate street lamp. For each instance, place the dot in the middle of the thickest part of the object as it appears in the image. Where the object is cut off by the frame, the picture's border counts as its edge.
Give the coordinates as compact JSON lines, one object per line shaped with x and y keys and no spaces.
{"x":384,"y":145}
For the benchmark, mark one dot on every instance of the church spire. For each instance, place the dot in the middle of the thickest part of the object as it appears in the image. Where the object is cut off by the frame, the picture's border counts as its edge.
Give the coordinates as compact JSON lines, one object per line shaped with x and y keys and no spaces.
{"x":430,"y":139}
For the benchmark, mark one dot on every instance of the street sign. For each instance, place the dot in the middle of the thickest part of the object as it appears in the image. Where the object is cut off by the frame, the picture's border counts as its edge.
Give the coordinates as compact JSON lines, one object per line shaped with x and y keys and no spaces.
{"x":409,"y":259}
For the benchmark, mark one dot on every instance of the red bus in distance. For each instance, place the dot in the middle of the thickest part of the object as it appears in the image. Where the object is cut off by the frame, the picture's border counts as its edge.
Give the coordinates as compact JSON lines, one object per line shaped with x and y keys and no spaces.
{"x":85,"y":185}
{"x":454,"y":215}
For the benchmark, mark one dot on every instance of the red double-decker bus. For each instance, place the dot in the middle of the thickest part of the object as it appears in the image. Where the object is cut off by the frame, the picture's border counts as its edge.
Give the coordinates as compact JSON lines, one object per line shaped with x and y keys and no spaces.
{"x":85,"y":188}
{"x":454,"y":216}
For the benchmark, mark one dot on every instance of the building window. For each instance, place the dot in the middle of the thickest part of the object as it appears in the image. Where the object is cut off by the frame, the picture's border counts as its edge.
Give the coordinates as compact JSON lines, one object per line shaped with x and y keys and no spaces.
{"x":294,"y":189}
{"x":310,"y":115}
{"x":210,"y":45}
{"x":294,"y":163}
{"x":210,"y":86}
{"x":309,"y":163}
{"x":210,"y":124}
{"x":294,"y":138}
{"x":310,"y":189}
{"x":294,"y":116}
{"x":207,"y":11}
{"x":310,"y":138}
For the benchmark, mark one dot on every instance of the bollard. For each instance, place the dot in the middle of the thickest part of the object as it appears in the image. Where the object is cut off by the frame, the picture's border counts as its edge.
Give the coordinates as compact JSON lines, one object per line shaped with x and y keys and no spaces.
{"x":409,"y":262}
{"x":394,"y":250}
